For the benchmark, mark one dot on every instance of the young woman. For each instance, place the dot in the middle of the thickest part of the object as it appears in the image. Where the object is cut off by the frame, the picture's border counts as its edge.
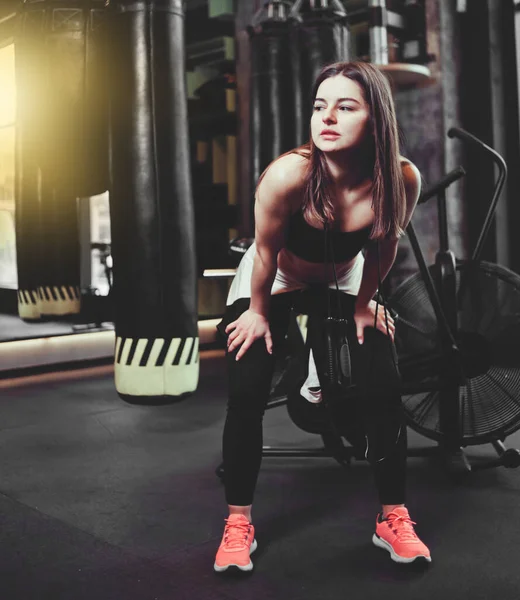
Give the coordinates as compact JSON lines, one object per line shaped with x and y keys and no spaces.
{"x":351,"y":178}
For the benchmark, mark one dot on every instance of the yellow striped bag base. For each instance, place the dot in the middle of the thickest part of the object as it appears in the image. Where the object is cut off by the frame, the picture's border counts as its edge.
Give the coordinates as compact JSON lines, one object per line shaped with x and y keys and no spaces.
{"x":156,"y":371}
{"x":28,"y":306}
{"x":59,"y":300}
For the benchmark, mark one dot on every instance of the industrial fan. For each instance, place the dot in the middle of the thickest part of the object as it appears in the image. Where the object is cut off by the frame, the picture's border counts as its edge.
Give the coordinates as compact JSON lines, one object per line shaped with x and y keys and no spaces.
{"x":488,"y":338}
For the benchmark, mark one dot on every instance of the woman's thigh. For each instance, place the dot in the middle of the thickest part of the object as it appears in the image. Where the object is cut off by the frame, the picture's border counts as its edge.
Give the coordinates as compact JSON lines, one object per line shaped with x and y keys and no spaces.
{"x":377,"y":384}
{"x":375,"y":370}
{"x":249,"y":379}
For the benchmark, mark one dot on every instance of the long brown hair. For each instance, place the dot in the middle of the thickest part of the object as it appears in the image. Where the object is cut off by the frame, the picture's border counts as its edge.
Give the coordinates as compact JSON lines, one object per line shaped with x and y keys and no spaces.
{"x":388,"y":192}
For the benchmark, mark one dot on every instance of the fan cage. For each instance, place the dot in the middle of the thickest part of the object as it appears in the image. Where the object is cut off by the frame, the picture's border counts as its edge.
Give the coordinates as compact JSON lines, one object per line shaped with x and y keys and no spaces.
{"x":489,"y":339}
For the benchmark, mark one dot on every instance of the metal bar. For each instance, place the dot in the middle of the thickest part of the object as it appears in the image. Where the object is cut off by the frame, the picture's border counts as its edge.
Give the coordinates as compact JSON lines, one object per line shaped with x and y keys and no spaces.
{"x":442,"y":184}
{"x":430,"y":286}
{"x":502,"y":174}
{"x":499,"y":447}
{"x":296,"y":452}
{"x":276,"y":403}
{"x":443,"y":221}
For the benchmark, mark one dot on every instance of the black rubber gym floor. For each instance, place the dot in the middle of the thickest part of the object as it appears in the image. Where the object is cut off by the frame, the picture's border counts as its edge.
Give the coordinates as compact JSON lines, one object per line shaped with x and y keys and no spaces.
{"x":103,"y":500}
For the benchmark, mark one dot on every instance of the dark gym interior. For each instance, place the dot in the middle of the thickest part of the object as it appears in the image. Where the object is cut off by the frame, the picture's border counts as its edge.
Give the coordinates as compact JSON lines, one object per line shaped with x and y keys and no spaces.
{"x":132,"y":135}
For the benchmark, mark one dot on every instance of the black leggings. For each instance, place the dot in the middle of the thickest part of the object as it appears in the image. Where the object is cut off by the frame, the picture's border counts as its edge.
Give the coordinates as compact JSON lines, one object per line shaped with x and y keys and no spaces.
{"x":250,"y":383}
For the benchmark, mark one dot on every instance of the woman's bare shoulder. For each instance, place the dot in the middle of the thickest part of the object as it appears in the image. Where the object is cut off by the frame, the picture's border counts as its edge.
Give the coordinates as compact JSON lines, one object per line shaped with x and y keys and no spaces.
{"x":411,"y":174}
{"x":287,"y":172}
{"x":412,"y":187}
{"x":282,"y":185}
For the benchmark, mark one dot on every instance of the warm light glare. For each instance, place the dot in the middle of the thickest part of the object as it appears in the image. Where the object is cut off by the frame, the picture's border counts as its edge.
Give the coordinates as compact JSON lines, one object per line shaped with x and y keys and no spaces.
{"x":7,"y":86}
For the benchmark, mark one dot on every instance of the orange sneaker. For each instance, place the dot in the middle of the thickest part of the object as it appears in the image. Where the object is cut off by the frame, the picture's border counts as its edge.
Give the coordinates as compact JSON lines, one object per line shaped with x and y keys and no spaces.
{"x":396,"y":534}
{"x":238,"y":543}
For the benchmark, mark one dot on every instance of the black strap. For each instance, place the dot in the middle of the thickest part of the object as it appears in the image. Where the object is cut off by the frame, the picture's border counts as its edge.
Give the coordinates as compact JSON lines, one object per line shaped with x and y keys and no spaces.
{"x":340,"y":315}
{"x":379,"y":285}
{"x":383,"y":302}
{"x":380,"y":299}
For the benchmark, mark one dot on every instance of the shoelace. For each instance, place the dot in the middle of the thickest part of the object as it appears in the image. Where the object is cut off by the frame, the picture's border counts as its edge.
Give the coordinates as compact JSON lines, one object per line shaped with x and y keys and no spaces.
{"x":235,"y":533}
{"x":403,"y":527}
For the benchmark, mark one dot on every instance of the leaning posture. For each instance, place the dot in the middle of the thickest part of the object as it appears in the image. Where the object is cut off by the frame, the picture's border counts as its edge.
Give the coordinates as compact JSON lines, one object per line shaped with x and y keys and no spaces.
{"x":351,"y":180}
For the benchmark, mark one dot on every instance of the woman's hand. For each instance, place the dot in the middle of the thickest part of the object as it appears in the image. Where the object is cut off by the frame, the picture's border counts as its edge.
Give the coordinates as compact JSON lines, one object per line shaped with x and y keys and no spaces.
{"x":365,"y":316}
{"x":250,"y":326}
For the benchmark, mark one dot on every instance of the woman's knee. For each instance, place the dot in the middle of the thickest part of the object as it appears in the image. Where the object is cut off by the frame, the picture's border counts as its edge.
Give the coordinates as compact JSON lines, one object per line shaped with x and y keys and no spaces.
{"x":385,"y":438}
{"x":249,"y":379}
{"x":375,"y":366}
{"x":246,"y":412}
{"x":247,"y":402}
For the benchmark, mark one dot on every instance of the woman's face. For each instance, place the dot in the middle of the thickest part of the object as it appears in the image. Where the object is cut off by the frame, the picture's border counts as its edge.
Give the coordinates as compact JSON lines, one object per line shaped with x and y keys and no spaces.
{"x":341,"y":116}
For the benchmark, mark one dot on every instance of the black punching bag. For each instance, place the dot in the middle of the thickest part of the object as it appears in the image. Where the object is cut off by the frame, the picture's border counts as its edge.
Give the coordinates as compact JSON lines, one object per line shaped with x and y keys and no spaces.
{"x":29,"y":63}
{"x":320,"y":37}
{"x":75,"y":158}
{"x":59,"y":73}
{"x":151,"y":205}
{"x":272,"y":106}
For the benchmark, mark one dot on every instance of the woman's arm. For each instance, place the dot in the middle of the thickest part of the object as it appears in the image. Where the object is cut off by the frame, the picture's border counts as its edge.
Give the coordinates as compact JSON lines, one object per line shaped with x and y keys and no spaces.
{"x":370,"y":281}
{"x":272,"y":211}
{"x":275,"y":200}
{"x":387,"y":254}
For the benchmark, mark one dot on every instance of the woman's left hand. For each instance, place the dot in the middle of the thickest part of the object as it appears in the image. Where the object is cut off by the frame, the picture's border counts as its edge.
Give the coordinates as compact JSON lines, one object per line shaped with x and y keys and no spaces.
{"x":365,"y":316}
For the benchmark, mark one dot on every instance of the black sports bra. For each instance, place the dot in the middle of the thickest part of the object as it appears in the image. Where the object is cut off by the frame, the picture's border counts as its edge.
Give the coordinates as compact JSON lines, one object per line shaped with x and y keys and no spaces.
{"x":308,"y":242}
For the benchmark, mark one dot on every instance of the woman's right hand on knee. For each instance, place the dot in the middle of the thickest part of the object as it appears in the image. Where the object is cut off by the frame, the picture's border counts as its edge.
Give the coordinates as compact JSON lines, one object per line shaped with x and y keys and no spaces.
{"x":249,"y":327}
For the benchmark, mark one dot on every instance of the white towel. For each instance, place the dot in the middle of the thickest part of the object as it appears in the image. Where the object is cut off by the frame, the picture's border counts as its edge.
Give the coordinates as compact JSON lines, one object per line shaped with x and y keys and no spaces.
{"x":311,"y":389}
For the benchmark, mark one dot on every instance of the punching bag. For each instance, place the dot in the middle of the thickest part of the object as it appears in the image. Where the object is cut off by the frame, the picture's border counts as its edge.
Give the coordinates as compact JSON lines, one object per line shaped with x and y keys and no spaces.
{"x":75,"y":157}
{"x":320,"y":37}
{"x":151,"y":205}
{"x":29,"y":66}
{"x":271,"y":92}
{"x":63,"y":141}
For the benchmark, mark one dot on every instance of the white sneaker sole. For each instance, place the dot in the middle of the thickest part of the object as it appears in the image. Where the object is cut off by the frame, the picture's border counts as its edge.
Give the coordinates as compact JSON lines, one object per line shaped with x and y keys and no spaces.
{"x":248,"y":567}
{"x":381,"y":543}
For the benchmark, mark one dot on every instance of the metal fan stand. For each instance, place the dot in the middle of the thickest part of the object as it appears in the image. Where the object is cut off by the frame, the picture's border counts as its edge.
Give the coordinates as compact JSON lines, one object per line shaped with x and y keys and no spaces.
{"x":449,"y":369}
